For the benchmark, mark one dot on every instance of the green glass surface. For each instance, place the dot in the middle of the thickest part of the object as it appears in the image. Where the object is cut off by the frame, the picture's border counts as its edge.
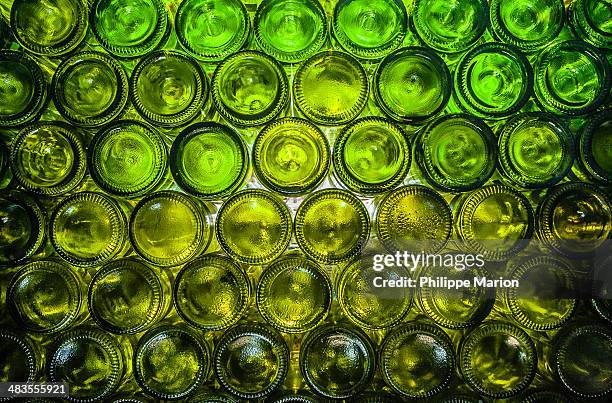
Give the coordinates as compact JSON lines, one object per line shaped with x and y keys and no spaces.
{"x":209,"y":160}
{"x":49,"y":28}
{"x":527,"y":24}
{"x":22,"y":228}
{"x":582,"y":360}
{"x":370,"y":29}
{"x":417,"y":360}
{"x":212,"y":292}
{"x":294,"y":294}
{"x":450,"y":26}
{"x":251,"y":361}
{"x":290,"y":30}
{"x":535,"y":150}
{"x":127,"y":296}
{"x":250,"y":88}
{"x":455,"y":308}
{"x":571,"y":78}
{"x":497,"y":359}
{"x":90,"y":360}
{"x":495,"y":221}
{"x":331,"y":225}
{"x":90,"y":89}
{"x":129,"y":28}
{"x":331,"y":88}
{"x":291,"y":156}
{"x":595,"y":147}
{"x":88,"y":229}
{"x":23,"y":89}
{"x":212,"y":29}
{"x":171,"y":362}
{"x":456,"y":152}
{"x":365,"y":303}
{"x":254,"y":226}
{"x":168,"y":88}
{"x":46,"y":296}
{"x":537,"y":304}
{"x":127,"y":158}
{"x":412,"y":84}
{"x":48,"y":158}
{"x":493,"y":80}
{"x":337,"y":361}
{"x":574,"y":218}
{"x":413,"y":218}
{"x":371,"y":155}
{"x":169,"y":228}
{"x":18,"y":358}
{"x":592,"y":21}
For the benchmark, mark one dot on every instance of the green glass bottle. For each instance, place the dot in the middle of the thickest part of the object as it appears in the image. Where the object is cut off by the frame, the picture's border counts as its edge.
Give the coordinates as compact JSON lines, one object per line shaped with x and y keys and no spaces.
{"x":168,"y":88}
{"x":493,"y":80}
{"x":171,"y":362}
{"x":127,"y":158}
{"x":49,"y":28}
{"x":126,"y":296}
{"x":536,"y":150}
{"x":293,"y":397}
{"x":249,"y":88}
{"x":572,"y":78}
{"x":450,"y":26}
{"x":88,"y":229}
{"x":254,"y":226}
{"x":290,"y":30}
{"x":412,"y":84}
{"x":22,"y":228}
{"x":251,"y":361}
{"x":417,"y":360}
{"x":294,"y":294}
{"x":212,"y":292}
{"x":594,"y":145}
{"x":331,"y":225}
{"x":527,"y":24}
{"x":497,"y":359}
{"x":456,"y":152}
{"x":371,"y":155}
{"x":546,"y":298}
{"x":169,"y":228}
{"x":331,"y":88}
{"x":545,"y":396}
{"x":454,"y":308}
{"x":291,"y":156}
{"x":370,"y":30}
{"x":6,"y":36}
{"x":212,"y":29}
{"x":413,"y":218}
{"x":19,"y":358}
{"x":46,"y":296}
{"x":574,"y":219}
{"x":582,"y":360}
{"x":129,"y":28}
{"x":337,"y":361}
{"x":23,"y":89}
{"x":590,"y":20}
{"x":91,"y":361}
{"x":209,"y":160}
{"x":371,"y":299}
{"x":495,"y":221}
{"x":90,"y":89}
{"x":48,"y":158}
{"x":212,"y":396}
